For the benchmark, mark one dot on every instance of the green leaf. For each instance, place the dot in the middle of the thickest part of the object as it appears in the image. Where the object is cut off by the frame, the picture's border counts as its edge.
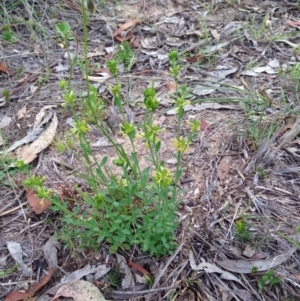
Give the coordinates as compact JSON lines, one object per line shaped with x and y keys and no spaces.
{"x":103,"y":161}
{"x":157,"y":146}
{"x":9,"y":271}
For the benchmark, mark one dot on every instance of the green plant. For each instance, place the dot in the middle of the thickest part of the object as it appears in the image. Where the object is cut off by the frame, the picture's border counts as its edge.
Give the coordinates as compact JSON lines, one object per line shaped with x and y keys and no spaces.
{"x":254,"y":269}
{"x":242,"y":231}
{"x":6,"y":95}
{"x":8,"y":271}
{"x":294,"y":73}
{"x":261,"y":172}
{"x":9,"y":168}
{"x":7,"y":34}
{"x":267,"y":279}
{"x":203,"y":28}
{"x":149,"y":280}
{"x":112,"y":280}
{"x":64,"y":142}
{"x":93,"y":107}
{"x":125,"y":55}
{"x":292,"y":241}
{"x":257,"y":32}
{"x":135,"y":205}
{"x":258,"y":130}
{"x":231,"y":2}
{"x":64,"y":34}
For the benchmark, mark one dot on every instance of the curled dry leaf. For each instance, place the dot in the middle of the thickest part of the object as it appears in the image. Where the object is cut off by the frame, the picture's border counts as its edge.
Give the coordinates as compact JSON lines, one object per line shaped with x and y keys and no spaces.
{"x":194,"y":58}
{"x":36,"y":204}
{"x":40,"y":115}
{"x":126,"y":37}
{"x":224,"y":167}
{"x":138,"y":268}
{"x":18,"y":295}
{"x":126,"y":26}
{"x":29,"y":152}
{"x":4,"y":69}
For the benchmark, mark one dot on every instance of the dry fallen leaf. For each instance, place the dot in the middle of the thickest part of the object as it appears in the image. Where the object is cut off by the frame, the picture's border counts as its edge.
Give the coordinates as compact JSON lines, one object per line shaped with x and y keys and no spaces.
{"x":126,"y":37}
{"x":4,"y":69}
{"x":224,"y":167}
{"x":16,"y":253}
{"x":29,"y":152}
{"x":138,"y":268}
{"x":215,"y":34}
{"x":204,"y":126}
{"x":135,"y":42}
{"x":98,"y":270}
{"x":127,"y":280}
{"x":44,"y":280}
{"x":36,"y":204}
{"x":79,"y":290}
{"x":18,"y":295}
{"x":40,"y":115}
{"x":21,"y":113}
{"x":211,"y":268}
{"x":126,"y":26}
{"x":50,"y":251}
{"x":246,"y":266}
{"x":171,"y":86}
{"x":73,"y":5}
{"x":194,"y":58}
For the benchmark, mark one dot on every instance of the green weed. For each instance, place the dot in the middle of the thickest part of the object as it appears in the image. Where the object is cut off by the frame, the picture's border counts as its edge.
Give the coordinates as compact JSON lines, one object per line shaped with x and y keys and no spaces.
{"x":93,"y":107}
{"x":261,"y":172}
{"x":112,"y":280}
{"x":9,"y":168}
{"x":6,"y":95}
{"x":242,"y":231}
{"x":8,"y":271}
{"x":135,"y":205}
{"x":7,"y":34}
{"x":254,"y":269}
{"x":294,"y":73}
{"x":125,"y":55}
{"x":267,"y":279}
{"x":64,"y":142}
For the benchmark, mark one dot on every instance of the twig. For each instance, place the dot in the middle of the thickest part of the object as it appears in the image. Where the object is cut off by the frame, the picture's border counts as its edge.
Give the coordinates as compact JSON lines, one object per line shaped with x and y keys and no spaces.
{"x":146,"y":291}
{"x":2,"y":212}
{"x":163,"y":270}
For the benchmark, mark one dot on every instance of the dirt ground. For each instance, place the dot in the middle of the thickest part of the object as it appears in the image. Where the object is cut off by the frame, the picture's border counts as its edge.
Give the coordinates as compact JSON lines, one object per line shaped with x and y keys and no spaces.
{"x":240,"y":66}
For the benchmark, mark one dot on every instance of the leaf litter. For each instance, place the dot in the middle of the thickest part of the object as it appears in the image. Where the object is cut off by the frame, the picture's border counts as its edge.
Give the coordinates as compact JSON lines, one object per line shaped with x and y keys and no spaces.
{"x":217,"y":189}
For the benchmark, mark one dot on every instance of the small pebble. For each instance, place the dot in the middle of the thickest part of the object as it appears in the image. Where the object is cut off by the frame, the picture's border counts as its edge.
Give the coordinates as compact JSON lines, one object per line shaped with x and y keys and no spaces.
{"x":186,"y":16}
{"x":108,"y":42}
{"x":240,"y":16}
